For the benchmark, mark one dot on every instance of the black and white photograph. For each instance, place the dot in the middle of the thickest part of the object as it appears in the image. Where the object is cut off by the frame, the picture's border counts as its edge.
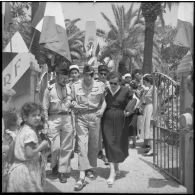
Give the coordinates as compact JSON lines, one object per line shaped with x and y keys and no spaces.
{"x":97,"y":97}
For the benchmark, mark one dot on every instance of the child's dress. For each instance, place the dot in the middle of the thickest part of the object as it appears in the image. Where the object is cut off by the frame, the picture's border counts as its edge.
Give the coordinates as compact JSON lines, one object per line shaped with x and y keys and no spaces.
{"x":25,"y":173}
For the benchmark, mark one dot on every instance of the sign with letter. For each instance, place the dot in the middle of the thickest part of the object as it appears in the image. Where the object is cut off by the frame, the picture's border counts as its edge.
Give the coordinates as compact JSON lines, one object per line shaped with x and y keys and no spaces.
{"x":15,"y":69}
{"x":90,"y":38}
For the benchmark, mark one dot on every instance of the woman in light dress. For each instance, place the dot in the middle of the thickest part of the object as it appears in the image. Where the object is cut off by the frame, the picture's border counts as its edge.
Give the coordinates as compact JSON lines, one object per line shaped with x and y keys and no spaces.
{"x":25,"y":172}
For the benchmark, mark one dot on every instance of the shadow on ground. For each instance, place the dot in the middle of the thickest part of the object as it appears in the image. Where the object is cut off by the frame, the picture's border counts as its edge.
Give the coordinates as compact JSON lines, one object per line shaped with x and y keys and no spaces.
{"x":49,"y":187}
{"x":104,"y":173}
{"x":159,"y":183}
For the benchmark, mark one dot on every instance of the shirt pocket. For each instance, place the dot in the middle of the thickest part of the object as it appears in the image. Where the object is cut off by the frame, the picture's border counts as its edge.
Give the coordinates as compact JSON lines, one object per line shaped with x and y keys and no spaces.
{"x":81,"y":98}
{"x":95,"y":96}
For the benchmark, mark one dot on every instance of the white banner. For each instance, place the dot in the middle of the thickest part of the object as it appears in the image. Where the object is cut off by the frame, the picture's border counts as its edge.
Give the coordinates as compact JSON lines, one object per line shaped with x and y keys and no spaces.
{"x":90,"y":38}
{"x":15,"y":69}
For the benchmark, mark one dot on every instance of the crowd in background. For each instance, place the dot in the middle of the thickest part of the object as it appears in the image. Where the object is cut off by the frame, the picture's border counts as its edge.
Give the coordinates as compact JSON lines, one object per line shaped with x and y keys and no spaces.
{"x":94,"y":118}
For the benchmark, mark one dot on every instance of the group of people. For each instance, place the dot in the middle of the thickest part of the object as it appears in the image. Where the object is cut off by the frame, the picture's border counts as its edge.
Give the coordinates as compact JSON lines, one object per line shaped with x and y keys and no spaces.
{"x":83,"y":115}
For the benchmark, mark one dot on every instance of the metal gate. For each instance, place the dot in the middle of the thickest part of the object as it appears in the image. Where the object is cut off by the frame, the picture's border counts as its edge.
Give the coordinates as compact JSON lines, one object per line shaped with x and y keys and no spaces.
{"x":166,"y":134}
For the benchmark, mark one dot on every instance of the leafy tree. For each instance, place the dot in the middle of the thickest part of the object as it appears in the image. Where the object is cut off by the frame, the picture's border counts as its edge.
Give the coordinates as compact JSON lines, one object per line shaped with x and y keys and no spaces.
{"x":150,"y":11}
{"x":125,"y":36}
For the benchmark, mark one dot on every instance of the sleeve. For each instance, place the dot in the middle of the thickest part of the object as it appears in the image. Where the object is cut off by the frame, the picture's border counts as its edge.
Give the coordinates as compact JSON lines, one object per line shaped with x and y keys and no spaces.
{"x":30,"y":137}
{"x":46,"y":103}
{"x":130,"y":106}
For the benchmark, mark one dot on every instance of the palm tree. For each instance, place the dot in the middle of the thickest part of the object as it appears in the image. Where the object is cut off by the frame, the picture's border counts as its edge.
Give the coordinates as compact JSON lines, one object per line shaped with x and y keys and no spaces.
{"x":75,"y":38}
{"x":124,"y":39}
{"x":150,"y":11}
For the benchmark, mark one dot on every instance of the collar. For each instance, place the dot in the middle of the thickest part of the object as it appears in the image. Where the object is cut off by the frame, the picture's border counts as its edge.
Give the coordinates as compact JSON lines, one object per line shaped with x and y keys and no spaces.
{"x":114,"y":92}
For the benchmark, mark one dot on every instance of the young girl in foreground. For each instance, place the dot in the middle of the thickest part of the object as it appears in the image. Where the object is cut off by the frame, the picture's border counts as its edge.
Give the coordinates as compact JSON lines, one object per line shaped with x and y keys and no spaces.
{"x":25,"y":173}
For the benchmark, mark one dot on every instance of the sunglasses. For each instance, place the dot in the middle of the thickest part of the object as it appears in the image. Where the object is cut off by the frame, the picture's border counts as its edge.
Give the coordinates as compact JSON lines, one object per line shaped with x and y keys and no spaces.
{"x":112,"y":83}
{"x":103,"y":74}
{"x":90,"y":74}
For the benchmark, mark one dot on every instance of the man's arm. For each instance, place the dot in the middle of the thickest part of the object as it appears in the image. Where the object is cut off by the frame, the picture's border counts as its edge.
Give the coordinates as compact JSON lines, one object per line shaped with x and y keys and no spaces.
{"x":46,"y":104}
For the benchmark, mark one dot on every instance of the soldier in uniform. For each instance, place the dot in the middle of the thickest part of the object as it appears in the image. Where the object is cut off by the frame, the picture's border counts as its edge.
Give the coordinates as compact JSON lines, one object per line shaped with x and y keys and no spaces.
{"x":56,"y":104}
{"x":102,"y":76}
{"x":74,"y":76}
{"x":89,"y":105}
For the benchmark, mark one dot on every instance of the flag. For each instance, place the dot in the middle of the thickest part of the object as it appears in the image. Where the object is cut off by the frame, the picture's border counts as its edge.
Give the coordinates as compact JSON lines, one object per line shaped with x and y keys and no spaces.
{"x":184,"y":36}
{"x":49,"y":20}
{"x":90,"y":38}
{"x":18,"y":44}
{"x":6,"y":11}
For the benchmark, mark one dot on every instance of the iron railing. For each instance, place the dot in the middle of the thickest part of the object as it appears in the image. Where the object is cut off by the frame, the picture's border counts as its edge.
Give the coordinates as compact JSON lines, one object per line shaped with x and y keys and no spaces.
{"x":166,"y":132}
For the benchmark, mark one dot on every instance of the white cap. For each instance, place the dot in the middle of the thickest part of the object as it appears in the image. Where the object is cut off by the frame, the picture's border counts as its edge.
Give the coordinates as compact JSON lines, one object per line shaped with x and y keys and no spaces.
{"x":127,"y":75}
{"x":74,"y":67}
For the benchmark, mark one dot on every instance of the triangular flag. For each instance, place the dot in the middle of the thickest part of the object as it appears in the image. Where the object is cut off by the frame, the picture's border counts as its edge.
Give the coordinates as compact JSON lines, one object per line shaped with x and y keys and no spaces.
{"x":49,"y":20}
{"x":184,"y":36}
{"x":18,"y":44}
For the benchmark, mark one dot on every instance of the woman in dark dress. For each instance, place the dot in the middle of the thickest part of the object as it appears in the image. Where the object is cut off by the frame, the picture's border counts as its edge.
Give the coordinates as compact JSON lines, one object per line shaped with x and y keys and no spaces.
{"x":115,"y":136}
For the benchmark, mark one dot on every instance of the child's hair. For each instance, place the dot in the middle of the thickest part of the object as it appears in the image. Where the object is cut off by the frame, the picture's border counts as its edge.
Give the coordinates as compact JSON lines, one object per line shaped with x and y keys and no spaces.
{"x":29,"y":108}
{"x":10,"y":119}
{"x":134,"y":84}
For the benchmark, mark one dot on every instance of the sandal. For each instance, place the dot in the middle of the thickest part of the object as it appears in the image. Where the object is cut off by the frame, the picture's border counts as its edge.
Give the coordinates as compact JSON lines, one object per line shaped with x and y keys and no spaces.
{"x":80,"y":184}
{"x":90,"y":174}
{"x":110,"y":182}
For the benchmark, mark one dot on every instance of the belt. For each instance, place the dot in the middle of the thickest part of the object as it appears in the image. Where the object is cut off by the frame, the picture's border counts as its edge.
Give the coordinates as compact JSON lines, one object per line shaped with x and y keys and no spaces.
{"x":60,"y":113}
{"x":87,"y":111}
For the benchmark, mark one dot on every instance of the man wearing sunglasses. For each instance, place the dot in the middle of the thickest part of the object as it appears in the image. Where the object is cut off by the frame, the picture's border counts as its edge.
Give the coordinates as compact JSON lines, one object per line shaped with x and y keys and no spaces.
{"x":102,"y":76}
{"x":88,"y":104}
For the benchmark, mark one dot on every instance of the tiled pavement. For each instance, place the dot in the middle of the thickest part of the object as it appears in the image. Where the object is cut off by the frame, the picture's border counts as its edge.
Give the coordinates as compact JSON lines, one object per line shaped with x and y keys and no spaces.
{"x":138,"y":175}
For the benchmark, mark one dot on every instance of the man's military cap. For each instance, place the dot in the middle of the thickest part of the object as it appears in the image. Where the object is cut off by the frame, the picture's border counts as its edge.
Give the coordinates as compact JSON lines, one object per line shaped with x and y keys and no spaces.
{"x":102,"y":68}
{"x":88,"y":69}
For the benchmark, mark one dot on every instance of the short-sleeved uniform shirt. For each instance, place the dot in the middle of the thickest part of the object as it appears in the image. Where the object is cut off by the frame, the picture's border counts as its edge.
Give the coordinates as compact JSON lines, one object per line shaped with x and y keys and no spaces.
{"x":89,"y":98}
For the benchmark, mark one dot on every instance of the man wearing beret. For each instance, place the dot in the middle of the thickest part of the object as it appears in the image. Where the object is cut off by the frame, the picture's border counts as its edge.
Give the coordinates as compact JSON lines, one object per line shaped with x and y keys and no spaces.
{"x":56,"y":104}
{"x":89,"y":104}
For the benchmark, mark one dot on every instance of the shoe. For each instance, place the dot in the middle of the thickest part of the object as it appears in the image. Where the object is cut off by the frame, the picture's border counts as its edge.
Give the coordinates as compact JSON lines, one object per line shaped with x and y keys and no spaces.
{"x":89,"y":173}
{"x":106,"y":161}
{"x":100,"y":155}
{"x":150,"y":153}
{"x":80,"y":184}
{"x":110,"y":182}
{"x":62,"y":177}
{"x":146,"y":150}
{"x":55,"y":172}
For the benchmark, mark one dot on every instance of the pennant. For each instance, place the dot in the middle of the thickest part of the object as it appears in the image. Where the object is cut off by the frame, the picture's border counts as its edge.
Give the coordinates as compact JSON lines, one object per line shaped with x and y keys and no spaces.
{"x":90,"y":38}
{"x":49,"y":20}
{"x":18,"y":44}
{"x":184,"y":36}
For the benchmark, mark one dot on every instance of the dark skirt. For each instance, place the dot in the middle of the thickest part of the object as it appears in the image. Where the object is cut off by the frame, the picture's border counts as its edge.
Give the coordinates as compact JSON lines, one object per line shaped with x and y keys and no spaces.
{"x":115,"y":135}
{"x":131,"y":124}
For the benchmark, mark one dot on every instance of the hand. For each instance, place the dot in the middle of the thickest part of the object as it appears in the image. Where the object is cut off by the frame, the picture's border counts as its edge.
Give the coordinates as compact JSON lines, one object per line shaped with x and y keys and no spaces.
{"x":44,"y":144}
{"x":99,"y":113}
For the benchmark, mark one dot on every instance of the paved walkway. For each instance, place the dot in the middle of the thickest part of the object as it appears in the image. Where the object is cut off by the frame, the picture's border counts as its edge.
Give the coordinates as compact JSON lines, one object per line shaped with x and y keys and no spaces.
{"x":138,"y":175}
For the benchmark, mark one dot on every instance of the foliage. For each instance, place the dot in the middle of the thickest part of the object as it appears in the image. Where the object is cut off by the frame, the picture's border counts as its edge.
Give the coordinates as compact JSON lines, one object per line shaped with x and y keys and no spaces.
{"x":21,"y":22}
{"x":171,"y":54}
{"x":150,"y":11}
{"x":75,"y":38}
{"x":125,"y":36}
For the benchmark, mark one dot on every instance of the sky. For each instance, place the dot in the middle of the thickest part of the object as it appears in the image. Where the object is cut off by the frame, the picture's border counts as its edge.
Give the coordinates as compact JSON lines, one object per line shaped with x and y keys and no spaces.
{"x":90,"y":11}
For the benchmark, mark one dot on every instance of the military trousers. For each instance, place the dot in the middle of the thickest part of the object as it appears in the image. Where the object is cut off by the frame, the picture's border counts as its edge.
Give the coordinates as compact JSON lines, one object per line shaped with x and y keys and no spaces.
{"x":61,"y":135}
{"x":87,"y":127}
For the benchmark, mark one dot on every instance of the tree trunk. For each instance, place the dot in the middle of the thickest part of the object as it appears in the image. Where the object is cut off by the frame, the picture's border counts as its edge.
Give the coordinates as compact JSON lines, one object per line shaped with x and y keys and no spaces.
{"x":148,"y":47}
